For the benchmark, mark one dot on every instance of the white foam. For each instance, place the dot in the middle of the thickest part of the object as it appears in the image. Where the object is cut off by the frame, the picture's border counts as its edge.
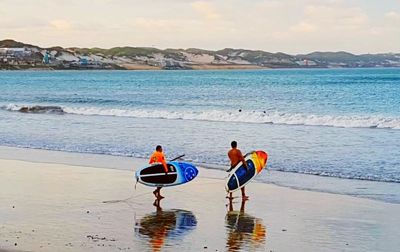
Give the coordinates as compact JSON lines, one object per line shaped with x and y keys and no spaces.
{"x":249,"y":117}
{"x":236,"y":116}
{"x":11,"y":107}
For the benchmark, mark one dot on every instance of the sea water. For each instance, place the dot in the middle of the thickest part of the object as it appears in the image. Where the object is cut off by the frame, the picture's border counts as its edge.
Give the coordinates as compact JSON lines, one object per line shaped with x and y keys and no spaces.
{"x":334,"y":130}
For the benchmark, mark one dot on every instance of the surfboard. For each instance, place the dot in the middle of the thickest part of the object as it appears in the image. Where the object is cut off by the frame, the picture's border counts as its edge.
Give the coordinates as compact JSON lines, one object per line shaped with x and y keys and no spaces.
{"x":155,"y":176}
{"x":239,"y":176}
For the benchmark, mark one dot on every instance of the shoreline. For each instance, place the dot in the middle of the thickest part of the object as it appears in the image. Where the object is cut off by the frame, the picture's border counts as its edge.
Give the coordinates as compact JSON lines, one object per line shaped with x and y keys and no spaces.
{"x":51,"y":206}
{"x":194,"y":68}
{"x":372,"y":190}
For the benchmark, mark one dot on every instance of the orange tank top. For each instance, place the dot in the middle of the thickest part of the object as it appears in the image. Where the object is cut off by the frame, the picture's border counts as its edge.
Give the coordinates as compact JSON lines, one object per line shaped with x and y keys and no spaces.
{"x":158,"y":157}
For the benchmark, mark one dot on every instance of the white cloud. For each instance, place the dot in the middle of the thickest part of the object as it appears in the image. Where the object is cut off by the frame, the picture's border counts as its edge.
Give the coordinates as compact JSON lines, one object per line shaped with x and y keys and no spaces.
{"x":206,"y":10}
{"x":392,"y":15}
{"x":154,"y":23}
{"x":60,"y":24}
{"x":303,"y":27}
{"x":336,"y":17}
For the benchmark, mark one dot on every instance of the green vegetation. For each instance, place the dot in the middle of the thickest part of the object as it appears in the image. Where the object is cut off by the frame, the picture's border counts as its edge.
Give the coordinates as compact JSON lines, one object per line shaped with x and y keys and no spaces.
{"x":9,"y":43}
{"x":119,"y":51}
{"x":177,"y":58}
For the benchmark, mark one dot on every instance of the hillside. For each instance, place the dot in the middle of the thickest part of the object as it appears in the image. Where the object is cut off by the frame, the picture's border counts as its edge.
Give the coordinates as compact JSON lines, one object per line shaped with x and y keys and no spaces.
{"x":18,"y":55}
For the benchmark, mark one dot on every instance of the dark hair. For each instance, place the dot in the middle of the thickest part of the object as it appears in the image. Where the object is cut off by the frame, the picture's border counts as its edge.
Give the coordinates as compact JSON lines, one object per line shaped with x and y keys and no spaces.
{"x":234,"y":144}
{"x":158,"y":148}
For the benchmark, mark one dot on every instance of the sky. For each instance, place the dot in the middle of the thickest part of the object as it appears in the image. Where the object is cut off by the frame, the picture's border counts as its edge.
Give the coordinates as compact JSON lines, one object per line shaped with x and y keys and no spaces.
{"x":290,"y":26}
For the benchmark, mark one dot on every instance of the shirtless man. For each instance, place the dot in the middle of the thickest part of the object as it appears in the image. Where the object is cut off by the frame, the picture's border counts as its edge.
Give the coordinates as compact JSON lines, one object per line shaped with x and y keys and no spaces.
{"x":235,"y":155}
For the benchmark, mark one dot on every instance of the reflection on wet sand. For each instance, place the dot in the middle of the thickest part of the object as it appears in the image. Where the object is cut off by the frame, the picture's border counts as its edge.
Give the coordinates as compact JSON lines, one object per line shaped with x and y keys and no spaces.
{"x":160,"y":226}
{"x":245,"y":232}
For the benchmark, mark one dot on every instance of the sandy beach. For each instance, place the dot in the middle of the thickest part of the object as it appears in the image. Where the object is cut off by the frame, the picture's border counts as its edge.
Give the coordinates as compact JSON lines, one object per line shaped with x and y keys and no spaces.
{"x":59,"y":207}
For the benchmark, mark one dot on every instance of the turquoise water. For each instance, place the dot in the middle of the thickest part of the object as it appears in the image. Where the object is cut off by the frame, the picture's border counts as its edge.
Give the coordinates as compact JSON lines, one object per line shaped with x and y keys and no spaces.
{"x":340,"y":123}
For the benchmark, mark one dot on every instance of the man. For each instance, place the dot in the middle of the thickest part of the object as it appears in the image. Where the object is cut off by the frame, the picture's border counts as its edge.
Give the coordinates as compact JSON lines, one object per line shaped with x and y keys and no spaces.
{"x":235,"y":155}
{"x":158,"y":157}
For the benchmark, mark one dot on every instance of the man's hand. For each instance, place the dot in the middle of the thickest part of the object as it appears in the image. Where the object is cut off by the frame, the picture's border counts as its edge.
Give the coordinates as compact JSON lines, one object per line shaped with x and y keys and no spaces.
{"x":245,"y":165}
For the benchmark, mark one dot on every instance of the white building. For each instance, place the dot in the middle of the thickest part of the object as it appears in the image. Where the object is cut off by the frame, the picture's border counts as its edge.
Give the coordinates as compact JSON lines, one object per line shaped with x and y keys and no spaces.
{"x":15,"y":51}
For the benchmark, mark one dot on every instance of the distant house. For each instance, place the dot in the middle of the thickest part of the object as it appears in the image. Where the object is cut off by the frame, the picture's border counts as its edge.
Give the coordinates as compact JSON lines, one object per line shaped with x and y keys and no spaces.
{"x":16,"y":52}
{"x":306,"y":62}
{"x":46,"y":58}
{"x":83,"y":62}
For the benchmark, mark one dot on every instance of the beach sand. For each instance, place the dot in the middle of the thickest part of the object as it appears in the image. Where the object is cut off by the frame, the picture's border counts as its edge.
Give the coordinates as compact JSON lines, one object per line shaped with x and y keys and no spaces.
{"x":224,"y":66}
{"x":61,"y":207}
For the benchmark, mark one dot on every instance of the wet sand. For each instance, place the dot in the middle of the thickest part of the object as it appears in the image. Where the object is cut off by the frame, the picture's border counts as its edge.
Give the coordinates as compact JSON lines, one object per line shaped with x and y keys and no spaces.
{"x":60,"y":207}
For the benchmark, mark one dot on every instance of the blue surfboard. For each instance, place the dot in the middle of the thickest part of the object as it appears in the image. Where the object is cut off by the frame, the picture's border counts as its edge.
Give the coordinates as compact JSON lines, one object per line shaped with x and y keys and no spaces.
{"x":240,"y":176}
{"x":155,"y":176}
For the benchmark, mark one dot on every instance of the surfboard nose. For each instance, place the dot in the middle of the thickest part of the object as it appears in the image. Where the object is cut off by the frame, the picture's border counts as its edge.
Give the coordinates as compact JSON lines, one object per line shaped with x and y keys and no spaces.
{"x":262,"y":157}
{"x":189,"y":171}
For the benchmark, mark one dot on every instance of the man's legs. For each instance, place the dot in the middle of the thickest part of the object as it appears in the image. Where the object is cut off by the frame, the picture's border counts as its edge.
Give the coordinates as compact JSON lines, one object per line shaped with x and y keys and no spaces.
{"x":157,"y":193}
{"x":244,"y":197}
{"x":230,"y":204}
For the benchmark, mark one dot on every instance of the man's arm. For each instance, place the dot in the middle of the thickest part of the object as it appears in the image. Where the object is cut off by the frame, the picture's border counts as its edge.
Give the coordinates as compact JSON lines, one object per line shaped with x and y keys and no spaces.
{"x":242,"y":159}
{"x":164,"y":164}
{"x":151,"y":160}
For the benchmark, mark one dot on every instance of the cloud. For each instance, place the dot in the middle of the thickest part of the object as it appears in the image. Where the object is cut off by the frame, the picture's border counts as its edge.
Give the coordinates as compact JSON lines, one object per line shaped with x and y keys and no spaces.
{"x":60,"y":24}
{"x":158,"y":24}
{"x":303,"y":27}
{"x":206,"y":10}
{"x":392,"y":15}
{"x":337,"y":17}
{"x":272,"y":25}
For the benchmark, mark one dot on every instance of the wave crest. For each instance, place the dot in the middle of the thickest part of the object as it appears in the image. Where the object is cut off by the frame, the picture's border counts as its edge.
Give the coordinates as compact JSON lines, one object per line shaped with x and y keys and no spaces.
{"x":250,"y":117}
{"x":261,"y":117}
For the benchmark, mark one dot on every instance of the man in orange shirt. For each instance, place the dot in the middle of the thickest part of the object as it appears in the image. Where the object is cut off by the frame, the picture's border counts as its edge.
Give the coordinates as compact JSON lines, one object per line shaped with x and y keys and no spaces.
{"x":235,"y":155}
{"x":158,"y":157}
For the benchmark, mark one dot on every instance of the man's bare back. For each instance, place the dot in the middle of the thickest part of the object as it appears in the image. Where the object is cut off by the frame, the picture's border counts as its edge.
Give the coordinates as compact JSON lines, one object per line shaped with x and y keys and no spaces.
{"x":235,"y":155}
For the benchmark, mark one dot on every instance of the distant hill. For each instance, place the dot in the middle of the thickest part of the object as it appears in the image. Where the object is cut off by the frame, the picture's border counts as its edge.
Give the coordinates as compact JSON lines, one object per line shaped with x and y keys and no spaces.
{"x":9,"y":43}
{"x":13,"y":57}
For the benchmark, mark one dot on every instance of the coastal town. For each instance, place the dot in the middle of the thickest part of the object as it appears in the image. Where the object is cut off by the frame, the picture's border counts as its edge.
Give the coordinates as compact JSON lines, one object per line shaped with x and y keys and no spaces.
{"x":20,"y":56}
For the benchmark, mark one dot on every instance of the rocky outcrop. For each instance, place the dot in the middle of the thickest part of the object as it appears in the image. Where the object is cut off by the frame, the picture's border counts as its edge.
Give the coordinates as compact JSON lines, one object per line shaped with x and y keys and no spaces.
{"x":42,"y":109}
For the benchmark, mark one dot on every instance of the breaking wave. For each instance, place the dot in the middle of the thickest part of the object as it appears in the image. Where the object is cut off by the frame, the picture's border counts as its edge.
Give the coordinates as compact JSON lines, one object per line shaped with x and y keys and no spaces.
{"x":261,"y":117}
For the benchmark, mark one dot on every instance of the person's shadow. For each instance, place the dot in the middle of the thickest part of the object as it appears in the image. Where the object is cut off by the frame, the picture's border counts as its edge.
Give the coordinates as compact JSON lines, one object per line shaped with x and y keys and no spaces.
{"x":245,"y":232}
{"x":161,"y":227}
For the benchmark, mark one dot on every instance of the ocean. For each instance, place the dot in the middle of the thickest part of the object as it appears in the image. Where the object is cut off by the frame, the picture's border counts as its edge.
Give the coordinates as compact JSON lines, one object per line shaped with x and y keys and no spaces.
{"x":332,"y":130}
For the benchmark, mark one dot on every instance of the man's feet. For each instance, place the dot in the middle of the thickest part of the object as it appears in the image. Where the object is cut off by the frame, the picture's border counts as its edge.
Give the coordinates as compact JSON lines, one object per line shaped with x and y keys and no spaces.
{"x":160,"y":197}
{"x":230,"y":196}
